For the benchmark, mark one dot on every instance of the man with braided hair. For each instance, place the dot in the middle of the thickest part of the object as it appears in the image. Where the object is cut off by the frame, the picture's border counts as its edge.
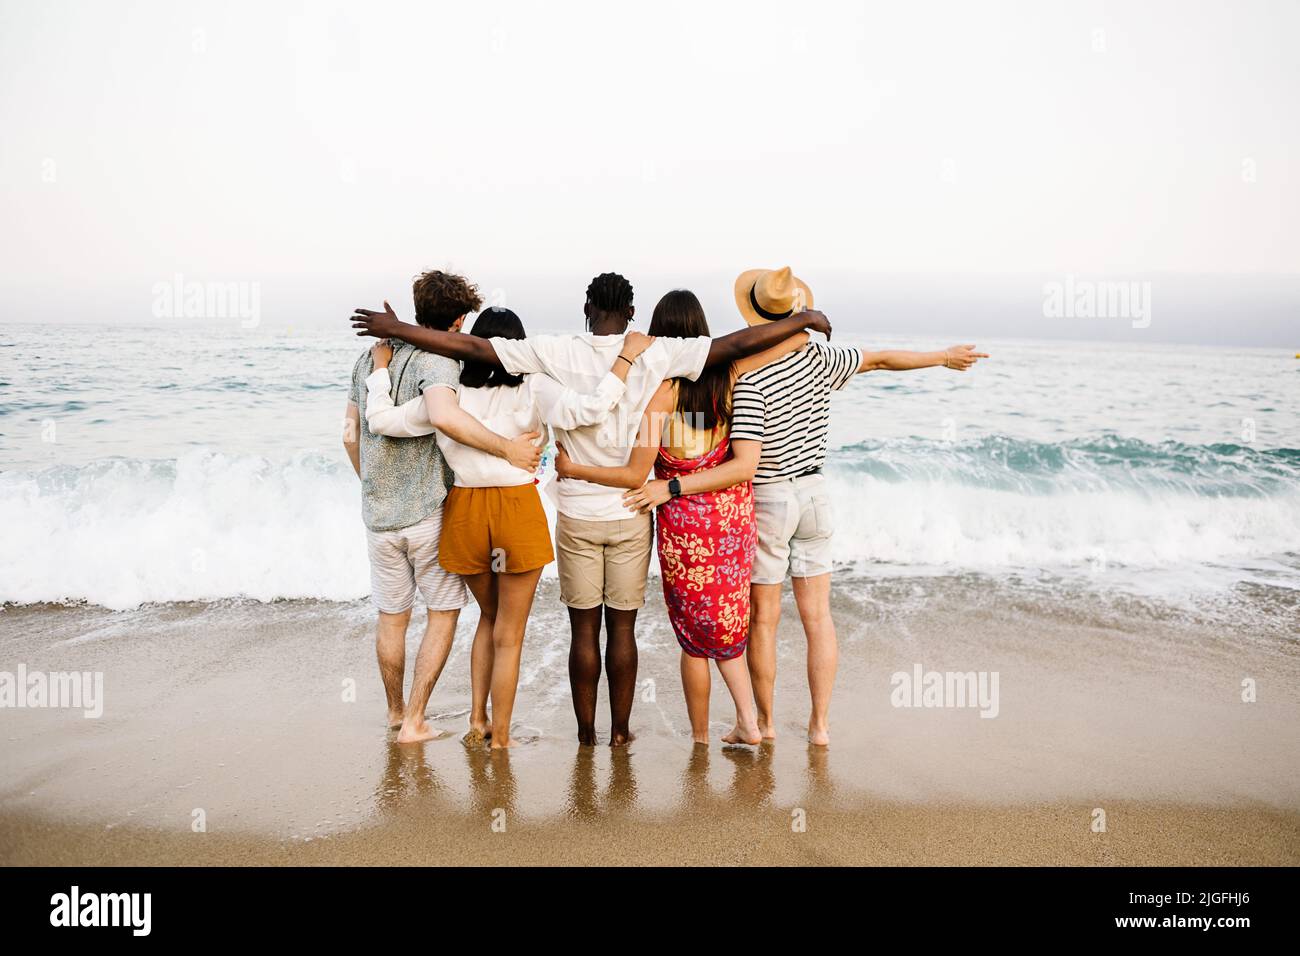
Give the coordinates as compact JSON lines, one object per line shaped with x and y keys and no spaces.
{"x":603,"y":548}
{"x":609,"y":295}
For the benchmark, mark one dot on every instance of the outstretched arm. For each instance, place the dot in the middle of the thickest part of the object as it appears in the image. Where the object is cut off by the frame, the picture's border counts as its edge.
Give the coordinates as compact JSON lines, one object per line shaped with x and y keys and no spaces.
{"x":639,"y":463}
{"x":757,"y":338}
{"x":958,"y":358}
{"x":740,"y":467}
{"x":386,"y":325}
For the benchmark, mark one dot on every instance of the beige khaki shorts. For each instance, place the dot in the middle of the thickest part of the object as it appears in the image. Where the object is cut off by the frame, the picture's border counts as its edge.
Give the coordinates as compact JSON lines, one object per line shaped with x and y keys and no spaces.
{"x":794,"y":529}
{"x":405,"y":560}
{"x":603,"y":562}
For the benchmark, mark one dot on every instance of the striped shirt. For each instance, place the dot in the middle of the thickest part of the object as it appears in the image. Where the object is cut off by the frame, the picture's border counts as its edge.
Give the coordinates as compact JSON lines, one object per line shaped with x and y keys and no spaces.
{"x":787,"y":406}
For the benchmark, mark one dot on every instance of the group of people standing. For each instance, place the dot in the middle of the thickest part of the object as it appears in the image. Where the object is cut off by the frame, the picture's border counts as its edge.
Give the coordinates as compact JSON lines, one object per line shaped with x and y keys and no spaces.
{"x":445,"y":430}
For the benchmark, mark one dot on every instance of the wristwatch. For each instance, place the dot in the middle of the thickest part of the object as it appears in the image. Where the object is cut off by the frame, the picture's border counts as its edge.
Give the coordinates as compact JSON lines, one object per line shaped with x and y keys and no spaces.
{"x":674,"y":487}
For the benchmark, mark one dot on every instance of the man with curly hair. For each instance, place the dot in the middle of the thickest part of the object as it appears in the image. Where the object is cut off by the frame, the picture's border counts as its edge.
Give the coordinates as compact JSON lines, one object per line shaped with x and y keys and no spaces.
{"x":403,"y":484}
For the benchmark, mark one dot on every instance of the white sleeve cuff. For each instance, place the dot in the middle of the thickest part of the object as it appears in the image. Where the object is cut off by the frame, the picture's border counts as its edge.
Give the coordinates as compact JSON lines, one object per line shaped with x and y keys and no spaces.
{"x":512,"y":354}
{"x":611,"y":388}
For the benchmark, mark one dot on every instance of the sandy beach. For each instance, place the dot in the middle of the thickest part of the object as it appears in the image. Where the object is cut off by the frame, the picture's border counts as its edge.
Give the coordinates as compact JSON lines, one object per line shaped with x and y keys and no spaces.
{"x":240,"y":716}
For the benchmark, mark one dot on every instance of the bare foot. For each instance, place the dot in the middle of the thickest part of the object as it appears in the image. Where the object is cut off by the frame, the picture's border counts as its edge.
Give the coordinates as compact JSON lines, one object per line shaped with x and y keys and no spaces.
{"x":701,"y":739}
{"x":744,"y":734}
{"x":394,"y":718}
{"x":621,"y":738}
{"x":767,"y":729}
{"x":474,"y":738}
{"x":819,"y":736}
{"x":587,"y":736}
{"x":502,"y":745}
{"x":414,"y":733}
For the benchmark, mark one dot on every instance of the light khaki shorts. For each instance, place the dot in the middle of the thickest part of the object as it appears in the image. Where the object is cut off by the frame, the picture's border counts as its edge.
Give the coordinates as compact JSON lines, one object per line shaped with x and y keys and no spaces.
{"x":603,"y":562}
{"x":794,"y":529}
{"x":405,"y":560}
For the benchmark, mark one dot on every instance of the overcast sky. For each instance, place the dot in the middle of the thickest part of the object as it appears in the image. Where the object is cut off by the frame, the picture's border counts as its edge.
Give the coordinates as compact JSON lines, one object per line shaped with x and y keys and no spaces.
{"x":330,"y":151}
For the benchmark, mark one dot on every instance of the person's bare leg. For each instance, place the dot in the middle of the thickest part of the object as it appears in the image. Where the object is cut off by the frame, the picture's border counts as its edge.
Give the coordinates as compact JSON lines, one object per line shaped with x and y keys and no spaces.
{"x":764,"y":616}
{"x":813,"y":597}
{"x":429,"y":661}
{"x":584,"y":669}
{"x":620,"y":667}
{"x":736,"y":673}
{"x":483,"y":587}
{"x":514,"y":601}
{"x":390,"y":649}
{"x":696,"y":684}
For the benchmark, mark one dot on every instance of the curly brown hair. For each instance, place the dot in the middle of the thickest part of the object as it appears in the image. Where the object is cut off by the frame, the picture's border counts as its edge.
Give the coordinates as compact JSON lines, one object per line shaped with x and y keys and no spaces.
{"x":441,"y":298}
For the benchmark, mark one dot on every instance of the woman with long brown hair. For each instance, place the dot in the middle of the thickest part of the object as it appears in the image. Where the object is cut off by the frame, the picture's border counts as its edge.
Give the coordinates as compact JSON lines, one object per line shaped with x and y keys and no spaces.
{"x":705,"y":529}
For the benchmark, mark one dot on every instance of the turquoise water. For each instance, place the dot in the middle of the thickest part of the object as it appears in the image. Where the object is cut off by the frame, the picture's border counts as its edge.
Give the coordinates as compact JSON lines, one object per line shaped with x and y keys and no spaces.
{"x":162,"y":464}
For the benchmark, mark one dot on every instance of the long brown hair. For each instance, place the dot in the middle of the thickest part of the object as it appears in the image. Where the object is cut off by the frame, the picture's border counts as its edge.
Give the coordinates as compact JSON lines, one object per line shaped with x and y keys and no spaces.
{"x":706,"y":400}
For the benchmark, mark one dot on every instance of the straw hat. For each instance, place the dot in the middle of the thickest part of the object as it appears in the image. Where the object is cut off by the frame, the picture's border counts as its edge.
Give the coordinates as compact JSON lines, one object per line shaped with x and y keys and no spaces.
{"x":764,"y":295}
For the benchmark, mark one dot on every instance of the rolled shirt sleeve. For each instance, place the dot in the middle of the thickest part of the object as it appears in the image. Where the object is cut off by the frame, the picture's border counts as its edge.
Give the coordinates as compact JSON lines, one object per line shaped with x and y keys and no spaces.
{"x":569,"y":409}
{"x":519,"y":356}
{"x":686,"y":357}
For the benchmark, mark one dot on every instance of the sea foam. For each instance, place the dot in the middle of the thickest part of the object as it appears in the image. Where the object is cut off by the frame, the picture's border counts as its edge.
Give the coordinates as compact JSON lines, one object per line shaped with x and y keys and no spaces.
{"x":210,"y":526}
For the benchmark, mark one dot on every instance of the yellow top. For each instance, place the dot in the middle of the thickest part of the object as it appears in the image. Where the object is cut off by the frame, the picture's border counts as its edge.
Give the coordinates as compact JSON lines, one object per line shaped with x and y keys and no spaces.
{"x":683,"y":440}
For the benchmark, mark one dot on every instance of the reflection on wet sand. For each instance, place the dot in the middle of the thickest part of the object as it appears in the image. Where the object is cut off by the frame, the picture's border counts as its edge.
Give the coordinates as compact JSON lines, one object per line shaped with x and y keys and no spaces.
{"x":492,"y":782}
{"x":585,"y":799}
{"x":406,"y":773}
{"x":581,"y":801}
{"x":601,"y":781}
{"x":409,"y":779}
{"x":621,"y":793}
{"x":820,"y":783}
{"x":752,"y":782}
{"x":754,"y":777}
{"x":899,"y":785}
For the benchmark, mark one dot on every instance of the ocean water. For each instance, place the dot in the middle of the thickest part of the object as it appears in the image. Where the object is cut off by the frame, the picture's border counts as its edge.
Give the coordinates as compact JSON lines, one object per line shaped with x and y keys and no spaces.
{"x":166,"y":464}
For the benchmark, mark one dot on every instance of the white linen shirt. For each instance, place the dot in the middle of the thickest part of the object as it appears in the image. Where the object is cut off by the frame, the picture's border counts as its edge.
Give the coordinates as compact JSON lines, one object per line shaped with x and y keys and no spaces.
{"x":508,"y":411}
{"x":578,"y":362}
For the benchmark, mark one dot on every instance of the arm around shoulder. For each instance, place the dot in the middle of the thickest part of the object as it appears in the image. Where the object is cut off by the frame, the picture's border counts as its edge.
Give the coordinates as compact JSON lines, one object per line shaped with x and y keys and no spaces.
{"x":642,"y":457}
{"x":408,"y":420}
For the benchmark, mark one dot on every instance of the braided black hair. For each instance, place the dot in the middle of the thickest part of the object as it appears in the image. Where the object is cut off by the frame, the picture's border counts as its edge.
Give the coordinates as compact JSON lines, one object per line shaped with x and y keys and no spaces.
{"x":609,"y":292}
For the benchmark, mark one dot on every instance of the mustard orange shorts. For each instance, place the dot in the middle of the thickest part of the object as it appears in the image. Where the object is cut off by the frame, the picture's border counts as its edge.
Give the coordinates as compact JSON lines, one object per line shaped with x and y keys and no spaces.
{"x":494,"y":529}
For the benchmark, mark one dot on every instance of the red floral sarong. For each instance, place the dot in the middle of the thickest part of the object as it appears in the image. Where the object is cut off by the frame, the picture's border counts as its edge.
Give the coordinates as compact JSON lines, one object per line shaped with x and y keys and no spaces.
{"x":706,"y":555}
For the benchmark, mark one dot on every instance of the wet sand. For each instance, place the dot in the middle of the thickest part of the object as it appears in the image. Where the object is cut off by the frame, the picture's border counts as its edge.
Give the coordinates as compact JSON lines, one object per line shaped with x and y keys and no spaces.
{"x":265,"y":723}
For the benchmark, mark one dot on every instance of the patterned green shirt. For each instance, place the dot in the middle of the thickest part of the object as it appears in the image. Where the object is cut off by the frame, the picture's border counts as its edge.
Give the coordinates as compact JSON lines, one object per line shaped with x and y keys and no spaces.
{"x":403,"y":480}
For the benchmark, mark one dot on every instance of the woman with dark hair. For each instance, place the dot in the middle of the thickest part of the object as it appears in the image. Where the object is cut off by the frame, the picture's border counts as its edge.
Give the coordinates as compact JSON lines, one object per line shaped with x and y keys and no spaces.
{"x":705,"y":533}
{"x":494,"y":531}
